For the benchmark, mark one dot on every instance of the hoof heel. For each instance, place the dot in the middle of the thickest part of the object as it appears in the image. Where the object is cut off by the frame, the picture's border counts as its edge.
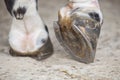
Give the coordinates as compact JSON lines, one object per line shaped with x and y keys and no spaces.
{"x":43,"y":53}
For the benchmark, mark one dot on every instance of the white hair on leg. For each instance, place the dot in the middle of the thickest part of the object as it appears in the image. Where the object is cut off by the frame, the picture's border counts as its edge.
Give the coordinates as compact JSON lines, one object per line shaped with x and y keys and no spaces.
{"x":28,"y":33}
{"x":75,"y":6}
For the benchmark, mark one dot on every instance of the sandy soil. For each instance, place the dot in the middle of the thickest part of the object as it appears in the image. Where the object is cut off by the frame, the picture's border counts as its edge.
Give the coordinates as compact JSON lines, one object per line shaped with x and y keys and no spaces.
{"x":60,"y":66}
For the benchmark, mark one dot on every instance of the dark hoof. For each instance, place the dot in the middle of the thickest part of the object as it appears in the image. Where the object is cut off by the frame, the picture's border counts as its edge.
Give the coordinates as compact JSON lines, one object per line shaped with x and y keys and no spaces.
{"x":12,"y":53}
{"x":46,"y":51}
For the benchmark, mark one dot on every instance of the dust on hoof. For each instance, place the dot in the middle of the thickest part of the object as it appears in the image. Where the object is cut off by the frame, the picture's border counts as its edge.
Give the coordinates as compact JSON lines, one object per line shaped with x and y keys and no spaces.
{"x":42,"y":56}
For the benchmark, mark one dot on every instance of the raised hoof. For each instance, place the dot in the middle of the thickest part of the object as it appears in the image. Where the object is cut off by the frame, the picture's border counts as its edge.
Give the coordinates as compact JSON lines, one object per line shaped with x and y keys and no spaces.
{"x":80,"y":46}
{"x":78,"y":28}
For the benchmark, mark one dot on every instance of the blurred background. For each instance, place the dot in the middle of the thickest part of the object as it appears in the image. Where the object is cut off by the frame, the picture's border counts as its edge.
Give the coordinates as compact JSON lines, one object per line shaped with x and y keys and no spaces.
{"x":60,"y":66}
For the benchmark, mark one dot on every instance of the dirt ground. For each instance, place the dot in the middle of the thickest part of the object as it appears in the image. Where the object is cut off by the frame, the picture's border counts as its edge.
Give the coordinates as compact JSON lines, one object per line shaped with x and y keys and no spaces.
{"x":60,"y":66}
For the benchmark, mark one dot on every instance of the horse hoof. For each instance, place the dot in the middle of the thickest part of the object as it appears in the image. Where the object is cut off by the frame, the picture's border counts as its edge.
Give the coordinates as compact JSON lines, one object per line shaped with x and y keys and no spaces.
{"x":78,"y":29}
